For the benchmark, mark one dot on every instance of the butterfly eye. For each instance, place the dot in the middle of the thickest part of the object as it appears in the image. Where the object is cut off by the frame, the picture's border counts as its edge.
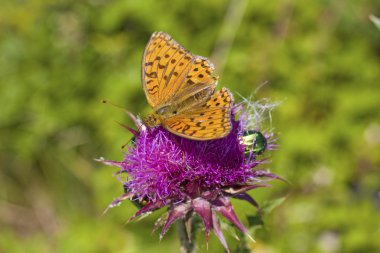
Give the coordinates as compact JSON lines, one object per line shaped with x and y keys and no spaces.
{"x":162,"y":110}
{"x":255,"y":142}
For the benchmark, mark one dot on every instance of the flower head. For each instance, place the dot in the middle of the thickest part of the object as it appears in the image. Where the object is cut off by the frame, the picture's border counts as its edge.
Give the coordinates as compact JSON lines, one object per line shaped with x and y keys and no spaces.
{"x":194,"y":177}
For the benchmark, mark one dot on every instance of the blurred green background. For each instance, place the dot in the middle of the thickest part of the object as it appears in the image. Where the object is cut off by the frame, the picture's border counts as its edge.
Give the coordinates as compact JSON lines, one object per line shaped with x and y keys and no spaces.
{"x":58,"y":59}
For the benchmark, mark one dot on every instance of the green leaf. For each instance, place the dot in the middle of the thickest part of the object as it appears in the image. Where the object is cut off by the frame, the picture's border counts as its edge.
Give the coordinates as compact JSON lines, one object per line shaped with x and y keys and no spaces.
{"x":269,"y":206}
{"x":255,"y":220}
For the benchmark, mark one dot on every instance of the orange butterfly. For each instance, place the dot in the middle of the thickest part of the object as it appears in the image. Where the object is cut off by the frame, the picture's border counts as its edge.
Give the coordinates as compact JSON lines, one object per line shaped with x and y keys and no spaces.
{"x":180,"y":87}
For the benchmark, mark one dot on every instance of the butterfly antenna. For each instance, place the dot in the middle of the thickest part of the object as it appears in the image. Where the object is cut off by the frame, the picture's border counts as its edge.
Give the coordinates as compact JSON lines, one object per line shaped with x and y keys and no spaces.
{"x":104,"y":101}
{"x":133,"y":131}
{"x":122,"y":147}
{"x":135,"y":119}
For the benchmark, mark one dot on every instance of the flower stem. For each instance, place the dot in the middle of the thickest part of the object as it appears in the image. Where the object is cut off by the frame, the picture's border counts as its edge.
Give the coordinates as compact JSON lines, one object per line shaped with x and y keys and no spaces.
{"x":186,"y":235}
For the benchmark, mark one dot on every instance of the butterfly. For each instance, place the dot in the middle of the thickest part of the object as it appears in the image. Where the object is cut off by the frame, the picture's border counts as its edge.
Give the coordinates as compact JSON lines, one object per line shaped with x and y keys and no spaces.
{"x":180,"y":88}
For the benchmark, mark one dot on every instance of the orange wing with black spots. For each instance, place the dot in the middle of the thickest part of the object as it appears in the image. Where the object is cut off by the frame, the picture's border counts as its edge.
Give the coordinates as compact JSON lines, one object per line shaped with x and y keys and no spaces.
{"x":171,"y":74}
{"x":211,"y":120}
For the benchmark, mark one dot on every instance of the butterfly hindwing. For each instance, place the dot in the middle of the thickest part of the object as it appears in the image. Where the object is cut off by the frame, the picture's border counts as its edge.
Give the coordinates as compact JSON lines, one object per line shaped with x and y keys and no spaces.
{"x":198,"y":78}
{"x":212,"y":120}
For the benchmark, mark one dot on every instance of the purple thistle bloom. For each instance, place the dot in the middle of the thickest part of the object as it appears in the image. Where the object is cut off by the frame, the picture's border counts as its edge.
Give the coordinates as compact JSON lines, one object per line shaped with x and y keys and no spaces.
{"x":192,"y":177}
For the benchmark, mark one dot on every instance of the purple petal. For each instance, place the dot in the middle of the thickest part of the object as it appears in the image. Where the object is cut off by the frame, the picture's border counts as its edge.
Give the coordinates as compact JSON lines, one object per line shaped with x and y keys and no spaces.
{"x":218,"y":231}
{"x":263,"y":173}
{"x":138,"y":122}
{"x":133,"y":131}
{"x":243,"y":188}
{"x":109,"y":162}
{"x":224,"y":207}
{"x":174,"y":214}
{"x":148,"y":208}
{"x":203,"y":209}
{"x":246,"y":197}
{"x":118,"y":201}
{"x":160,"y":221}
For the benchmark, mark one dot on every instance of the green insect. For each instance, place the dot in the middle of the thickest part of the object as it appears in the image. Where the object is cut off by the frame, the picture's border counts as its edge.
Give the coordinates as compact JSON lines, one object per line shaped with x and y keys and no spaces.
{"x":255,"y":142}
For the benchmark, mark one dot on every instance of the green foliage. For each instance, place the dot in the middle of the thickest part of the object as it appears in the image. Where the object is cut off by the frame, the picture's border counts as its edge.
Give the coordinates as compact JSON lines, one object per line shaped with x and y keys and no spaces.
{"x":60,"y":58}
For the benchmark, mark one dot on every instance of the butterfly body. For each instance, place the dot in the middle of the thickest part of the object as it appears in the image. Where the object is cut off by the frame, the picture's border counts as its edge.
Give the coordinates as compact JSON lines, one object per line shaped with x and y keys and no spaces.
{"x":180,"y":88}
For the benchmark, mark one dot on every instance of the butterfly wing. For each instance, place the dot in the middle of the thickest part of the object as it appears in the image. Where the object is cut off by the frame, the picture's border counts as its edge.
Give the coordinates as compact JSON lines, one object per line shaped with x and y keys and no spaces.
{"x":212,"y":120}
{"x":170,"y":73}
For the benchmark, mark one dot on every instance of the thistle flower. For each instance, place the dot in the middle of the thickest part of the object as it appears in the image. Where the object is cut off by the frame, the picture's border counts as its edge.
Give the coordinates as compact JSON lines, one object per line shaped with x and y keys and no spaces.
{"x":194,"y":177}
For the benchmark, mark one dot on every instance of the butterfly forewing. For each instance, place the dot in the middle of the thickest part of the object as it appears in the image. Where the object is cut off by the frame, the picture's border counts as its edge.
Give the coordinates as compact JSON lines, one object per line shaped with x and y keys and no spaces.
{"x":170,"y":73}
